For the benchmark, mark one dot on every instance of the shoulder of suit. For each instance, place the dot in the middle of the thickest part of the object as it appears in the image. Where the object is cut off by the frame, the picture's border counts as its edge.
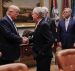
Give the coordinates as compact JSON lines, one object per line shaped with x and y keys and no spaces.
{"x":4,"y":18}
{"x":73,"y":18}
{"x":44,"y":23}
{"x":60,"y":20}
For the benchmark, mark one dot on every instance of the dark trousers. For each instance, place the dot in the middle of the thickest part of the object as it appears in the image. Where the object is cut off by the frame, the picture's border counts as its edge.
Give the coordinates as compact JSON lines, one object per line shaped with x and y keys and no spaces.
{"x":3,"y":61}
{"x":43,"y":63}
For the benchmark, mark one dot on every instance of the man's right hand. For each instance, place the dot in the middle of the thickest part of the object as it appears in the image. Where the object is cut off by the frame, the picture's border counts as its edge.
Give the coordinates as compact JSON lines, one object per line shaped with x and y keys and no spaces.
{"x":25,"y":40}
{"x":59,"y":44}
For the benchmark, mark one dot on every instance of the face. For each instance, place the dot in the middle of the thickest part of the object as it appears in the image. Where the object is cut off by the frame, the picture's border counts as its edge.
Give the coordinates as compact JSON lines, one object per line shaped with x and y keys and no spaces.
{"x":14,"y":14}
{"x":66,"y":13}
{"x":35,"y":16}
{"x":47,"y":14}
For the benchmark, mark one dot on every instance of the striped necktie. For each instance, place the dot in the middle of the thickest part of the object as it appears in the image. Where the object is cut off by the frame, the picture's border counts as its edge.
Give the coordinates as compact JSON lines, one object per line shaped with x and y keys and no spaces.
{"x":14,"y":25}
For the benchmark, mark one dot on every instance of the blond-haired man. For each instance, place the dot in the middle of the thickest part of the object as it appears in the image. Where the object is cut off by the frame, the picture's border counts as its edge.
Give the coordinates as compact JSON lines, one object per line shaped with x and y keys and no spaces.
{"x":9,"y":37}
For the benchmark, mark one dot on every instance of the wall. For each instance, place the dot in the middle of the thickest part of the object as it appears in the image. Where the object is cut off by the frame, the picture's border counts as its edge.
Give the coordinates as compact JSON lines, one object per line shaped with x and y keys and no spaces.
{"x":1,"y":9}
{"x":59,"y":2}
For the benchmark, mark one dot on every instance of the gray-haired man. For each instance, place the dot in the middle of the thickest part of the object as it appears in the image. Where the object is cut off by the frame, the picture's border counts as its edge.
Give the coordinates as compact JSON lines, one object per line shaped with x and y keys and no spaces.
{"x":42,"y":50}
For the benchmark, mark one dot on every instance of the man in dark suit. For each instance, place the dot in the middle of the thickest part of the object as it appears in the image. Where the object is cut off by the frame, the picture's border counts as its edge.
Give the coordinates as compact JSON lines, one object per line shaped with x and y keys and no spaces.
{"x":9,"y":37}
{"x":66,"y":30}
{"x":42,"y":50}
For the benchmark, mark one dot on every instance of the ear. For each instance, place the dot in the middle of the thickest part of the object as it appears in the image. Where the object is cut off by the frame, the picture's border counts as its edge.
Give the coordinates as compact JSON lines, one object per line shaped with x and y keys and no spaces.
{"x":37,"y":15}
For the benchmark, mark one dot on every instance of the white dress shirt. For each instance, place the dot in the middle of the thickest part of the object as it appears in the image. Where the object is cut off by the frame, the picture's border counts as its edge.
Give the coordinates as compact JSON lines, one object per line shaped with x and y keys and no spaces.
{"x":12,"y":22}
{"x":67,"y":23}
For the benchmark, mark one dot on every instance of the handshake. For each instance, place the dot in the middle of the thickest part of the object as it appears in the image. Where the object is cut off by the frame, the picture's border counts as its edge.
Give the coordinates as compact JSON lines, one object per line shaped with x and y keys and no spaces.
{"x":25,"y":40}
{"x":27,"y":34}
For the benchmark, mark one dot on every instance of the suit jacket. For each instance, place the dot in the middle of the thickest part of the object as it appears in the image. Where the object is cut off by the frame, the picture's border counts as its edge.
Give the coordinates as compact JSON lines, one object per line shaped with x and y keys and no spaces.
{"x":52,"y":25}
{"x":9,"y":40}
{"x":42,"y":40}
{"x":67,"y":38}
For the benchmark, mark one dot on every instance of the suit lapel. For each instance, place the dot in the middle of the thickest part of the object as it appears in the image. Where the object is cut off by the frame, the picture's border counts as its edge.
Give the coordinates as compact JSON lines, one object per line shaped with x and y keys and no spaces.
{"x":70,"y":24}
{"x":63,"y":25}
{"x":39,"y":24}
{"x":10,"y":22}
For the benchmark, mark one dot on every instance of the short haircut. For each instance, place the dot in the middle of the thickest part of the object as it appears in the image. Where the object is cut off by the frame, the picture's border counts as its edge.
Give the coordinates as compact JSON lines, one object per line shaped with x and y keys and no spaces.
{"x":12,"y":8}
{"x":45,"y":10}
{"x":68,"y":9}
{"x":39,"y":11}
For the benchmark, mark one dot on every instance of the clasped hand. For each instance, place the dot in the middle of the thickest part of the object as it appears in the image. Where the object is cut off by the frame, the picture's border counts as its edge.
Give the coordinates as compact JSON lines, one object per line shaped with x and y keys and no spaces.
{"x":25,"y":40}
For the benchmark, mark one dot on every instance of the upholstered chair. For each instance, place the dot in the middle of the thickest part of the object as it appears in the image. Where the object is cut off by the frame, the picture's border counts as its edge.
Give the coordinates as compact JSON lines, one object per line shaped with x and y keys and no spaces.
{"x":66,"y":60}
{"x":14,"y":67}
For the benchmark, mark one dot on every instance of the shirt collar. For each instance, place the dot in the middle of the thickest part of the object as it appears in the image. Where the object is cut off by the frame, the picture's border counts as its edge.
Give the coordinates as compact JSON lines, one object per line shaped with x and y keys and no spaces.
{"x":67,"y":19}
{"x":9,"y":17}
{"x":39,"y":21}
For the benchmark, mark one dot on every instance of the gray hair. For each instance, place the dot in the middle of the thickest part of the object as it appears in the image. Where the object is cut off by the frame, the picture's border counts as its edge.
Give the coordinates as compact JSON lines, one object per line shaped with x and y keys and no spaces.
{"x":68,"y":9}
{"x":39,"y":11}
{"x":13,"y":8}
{"x":45,"y":11}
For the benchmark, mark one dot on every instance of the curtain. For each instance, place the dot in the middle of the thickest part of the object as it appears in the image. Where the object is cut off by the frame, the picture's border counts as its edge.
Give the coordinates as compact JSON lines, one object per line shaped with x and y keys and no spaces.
{"x":65,"y":3}
{"x":54,"y":8}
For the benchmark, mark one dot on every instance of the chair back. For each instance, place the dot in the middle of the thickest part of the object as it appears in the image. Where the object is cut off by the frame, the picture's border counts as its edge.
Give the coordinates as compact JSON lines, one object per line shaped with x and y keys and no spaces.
{"x":14,"y":67}
{"x":66,"y":60}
